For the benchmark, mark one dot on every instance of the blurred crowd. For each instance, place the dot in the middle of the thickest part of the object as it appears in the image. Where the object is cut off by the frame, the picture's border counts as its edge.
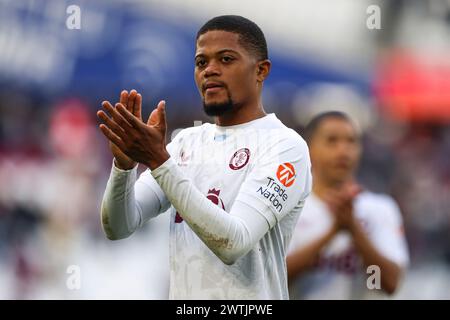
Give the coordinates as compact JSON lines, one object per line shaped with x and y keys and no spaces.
{"x":53,"y":168}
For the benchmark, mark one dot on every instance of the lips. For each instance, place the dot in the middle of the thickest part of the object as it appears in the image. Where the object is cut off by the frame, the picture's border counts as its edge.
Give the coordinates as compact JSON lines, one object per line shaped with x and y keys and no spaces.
{"x":342,"y":165}
{"x":212,"y":86}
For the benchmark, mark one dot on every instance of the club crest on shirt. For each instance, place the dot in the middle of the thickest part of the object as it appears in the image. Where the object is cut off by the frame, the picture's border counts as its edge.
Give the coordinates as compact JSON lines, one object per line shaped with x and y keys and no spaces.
{"x":213,"y":195}
{"x":239,"y":159}
{"x":286,"y":174}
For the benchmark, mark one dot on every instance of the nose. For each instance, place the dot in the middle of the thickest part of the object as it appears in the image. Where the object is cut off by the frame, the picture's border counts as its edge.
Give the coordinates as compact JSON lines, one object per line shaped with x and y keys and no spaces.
{"x":343,"y":150}
{"x":212,"y":69}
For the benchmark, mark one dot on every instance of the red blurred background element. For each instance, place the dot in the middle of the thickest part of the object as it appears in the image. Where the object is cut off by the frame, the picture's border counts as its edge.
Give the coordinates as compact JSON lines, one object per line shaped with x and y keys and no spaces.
{"x":71,"y":128}
{"x":416,"y":88}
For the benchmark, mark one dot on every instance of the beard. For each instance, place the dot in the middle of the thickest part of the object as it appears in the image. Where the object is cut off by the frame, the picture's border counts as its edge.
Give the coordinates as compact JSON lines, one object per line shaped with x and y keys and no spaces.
{"x":220,"y":109}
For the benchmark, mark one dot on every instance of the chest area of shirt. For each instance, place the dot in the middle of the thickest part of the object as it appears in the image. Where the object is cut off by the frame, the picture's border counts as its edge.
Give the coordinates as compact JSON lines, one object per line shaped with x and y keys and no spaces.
{"x":216,"y":168}
{"x":211,"y":160}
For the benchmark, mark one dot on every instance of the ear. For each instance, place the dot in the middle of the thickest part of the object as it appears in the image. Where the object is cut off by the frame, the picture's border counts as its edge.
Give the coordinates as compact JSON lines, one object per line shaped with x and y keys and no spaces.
{"x":263,"y":69}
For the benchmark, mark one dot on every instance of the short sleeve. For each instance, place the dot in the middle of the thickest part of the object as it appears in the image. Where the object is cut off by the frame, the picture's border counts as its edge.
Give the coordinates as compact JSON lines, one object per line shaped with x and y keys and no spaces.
{"x":316,"y":220}
{"x":279,"y":180}
{"x":388,"y":233}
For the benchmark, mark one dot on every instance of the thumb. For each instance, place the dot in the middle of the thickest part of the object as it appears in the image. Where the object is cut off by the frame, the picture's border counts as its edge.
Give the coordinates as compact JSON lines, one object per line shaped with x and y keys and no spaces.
{"x":158,"y":115}
{"x":157,"y":118}
{"x":162,"y":115}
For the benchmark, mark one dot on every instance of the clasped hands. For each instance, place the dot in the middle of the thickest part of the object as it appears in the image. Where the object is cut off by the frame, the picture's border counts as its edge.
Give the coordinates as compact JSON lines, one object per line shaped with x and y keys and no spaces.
{"x":131,"y":139}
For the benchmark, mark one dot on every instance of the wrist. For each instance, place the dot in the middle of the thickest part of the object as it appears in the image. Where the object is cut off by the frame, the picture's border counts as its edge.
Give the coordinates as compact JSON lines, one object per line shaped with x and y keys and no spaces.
{"x":124,"y":165}
{"x":159,"y":160}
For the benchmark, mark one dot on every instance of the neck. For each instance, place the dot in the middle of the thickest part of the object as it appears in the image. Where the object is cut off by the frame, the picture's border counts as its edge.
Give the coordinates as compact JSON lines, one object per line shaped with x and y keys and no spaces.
{"x":246,"y":113}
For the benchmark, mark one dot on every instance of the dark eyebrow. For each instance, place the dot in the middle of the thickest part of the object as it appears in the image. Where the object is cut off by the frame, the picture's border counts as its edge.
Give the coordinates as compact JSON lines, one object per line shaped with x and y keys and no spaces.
{"x":228,"y":50}
{"x":219,"y":52}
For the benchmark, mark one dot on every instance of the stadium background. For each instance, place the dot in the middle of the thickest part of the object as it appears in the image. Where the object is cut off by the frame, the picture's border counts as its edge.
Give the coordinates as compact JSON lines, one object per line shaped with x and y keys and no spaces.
{"x":54,"y":163}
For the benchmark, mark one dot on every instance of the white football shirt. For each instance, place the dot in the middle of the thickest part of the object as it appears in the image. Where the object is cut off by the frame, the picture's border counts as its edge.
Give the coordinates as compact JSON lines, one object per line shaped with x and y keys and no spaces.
{"x":261,"y":163}
{"x":339,"y":272}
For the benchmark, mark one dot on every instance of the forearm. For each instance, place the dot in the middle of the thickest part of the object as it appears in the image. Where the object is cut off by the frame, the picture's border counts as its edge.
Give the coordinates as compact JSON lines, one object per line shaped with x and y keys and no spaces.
{"x":119,"y":219}
{"x":303,"y":258}
{"x":390,"y":271}
{"x":121,"y":212}
{"x":228,"y":235}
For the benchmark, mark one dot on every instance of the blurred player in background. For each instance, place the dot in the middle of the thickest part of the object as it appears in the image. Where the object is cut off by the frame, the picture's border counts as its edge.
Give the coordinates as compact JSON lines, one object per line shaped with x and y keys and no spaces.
{"x":343,"y":229}
{"x":234,"y":188}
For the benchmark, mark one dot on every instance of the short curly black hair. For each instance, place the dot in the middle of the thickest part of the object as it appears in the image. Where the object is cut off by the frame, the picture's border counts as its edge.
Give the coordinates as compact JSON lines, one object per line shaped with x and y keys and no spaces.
{"x":251,"y":36}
